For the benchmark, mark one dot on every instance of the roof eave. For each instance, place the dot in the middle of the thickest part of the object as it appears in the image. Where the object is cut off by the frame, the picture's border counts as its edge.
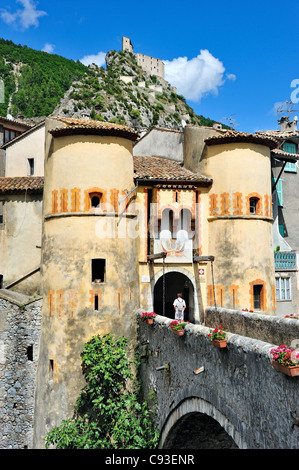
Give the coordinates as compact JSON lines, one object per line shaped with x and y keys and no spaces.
{"x":154,"y":182}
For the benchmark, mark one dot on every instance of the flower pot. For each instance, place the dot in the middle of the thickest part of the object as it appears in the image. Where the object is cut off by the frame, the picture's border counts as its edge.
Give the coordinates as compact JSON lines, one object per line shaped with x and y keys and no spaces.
{"x":179,"y":332}
{"x":149,"y":321}
{"x":292,"y":371}
{"x":219,"y":343}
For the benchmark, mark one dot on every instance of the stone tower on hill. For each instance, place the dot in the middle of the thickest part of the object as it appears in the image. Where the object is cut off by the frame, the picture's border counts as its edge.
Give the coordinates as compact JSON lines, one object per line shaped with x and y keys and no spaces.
{"x":149,"y":64}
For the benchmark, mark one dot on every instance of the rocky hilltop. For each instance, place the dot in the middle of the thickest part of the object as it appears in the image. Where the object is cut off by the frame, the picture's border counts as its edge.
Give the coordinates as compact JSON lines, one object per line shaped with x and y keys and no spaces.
{"x":124,"y":93}
{"x":38,"y":84}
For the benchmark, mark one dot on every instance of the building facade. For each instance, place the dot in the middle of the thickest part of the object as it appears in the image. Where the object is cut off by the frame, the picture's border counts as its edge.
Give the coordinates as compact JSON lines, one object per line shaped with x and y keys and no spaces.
{"x":285,"y":187}
{"x":121,"y":231}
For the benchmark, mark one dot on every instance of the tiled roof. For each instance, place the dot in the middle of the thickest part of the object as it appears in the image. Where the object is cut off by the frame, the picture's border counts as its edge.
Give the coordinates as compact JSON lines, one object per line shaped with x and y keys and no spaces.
{"x":279,"y":134}
{"x":5,"y":121}
{"x":90,"y":126}
{"x":160,"y":169}
{"x":234,"y":136}
{"x":283,"y":154}
{"x":21,"y":183}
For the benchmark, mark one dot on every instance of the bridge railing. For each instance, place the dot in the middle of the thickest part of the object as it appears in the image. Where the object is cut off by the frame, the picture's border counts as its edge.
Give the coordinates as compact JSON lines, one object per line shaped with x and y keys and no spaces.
{"x":272,"y":329}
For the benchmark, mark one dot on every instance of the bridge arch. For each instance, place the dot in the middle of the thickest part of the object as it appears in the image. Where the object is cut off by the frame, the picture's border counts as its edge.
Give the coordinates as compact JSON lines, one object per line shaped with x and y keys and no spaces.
{"x":197,"y":406}
{"x":194,"y":313}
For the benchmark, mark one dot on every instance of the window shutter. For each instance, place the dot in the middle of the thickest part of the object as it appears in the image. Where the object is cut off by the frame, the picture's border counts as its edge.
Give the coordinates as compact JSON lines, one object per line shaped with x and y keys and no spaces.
{"x":279,"y":191}
{"x":290,"y":167}
{"x":289,"y":147}
{"x":281,"y":230}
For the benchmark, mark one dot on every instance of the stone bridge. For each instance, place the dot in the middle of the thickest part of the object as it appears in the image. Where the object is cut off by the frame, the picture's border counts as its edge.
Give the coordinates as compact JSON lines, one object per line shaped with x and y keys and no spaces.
{"x":238,"y":400}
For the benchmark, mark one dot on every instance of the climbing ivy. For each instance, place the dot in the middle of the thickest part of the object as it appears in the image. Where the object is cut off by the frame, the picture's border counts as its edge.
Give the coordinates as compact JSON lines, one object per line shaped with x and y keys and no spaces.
{"x":108,"y":412}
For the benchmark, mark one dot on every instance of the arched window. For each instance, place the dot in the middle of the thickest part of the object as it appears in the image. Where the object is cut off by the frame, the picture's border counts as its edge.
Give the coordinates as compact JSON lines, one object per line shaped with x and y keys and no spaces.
{"x":167,"y":220}
{"x":186,"y":223}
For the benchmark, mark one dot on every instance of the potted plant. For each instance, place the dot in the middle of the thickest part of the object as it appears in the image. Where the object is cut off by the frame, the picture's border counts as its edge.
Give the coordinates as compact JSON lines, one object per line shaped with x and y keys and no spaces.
{"x":148,"y":317}
{"x":178,"y":326}
{"x":285,"y":360}
{"x":292,"y":315}
{"x":217,"y":336}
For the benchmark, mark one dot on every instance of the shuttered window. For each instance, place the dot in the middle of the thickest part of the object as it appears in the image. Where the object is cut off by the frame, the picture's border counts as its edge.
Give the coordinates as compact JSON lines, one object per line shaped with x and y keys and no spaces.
{"x":290,"y":147}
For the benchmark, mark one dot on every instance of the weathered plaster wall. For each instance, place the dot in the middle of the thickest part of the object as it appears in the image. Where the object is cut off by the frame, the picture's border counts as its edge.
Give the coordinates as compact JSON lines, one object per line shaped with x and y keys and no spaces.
{"x":76,"y":306}
{"x":17,"y":154}
{"x":238,"y":387}
{"x":161,"y":143}
{"x":19,"y":330}
{"x":20,"y":241}
{"x":194,"y":145}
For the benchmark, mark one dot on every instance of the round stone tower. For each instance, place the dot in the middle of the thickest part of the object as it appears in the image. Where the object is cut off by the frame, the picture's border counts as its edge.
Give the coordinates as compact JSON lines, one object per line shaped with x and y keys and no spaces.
{"x":240,"y":221}
{"x":89,"y":257}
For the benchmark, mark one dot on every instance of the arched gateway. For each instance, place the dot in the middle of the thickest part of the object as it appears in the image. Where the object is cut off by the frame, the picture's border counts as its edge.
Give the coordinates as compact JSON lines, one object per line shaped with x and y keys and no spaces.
{"x":165,"y":289}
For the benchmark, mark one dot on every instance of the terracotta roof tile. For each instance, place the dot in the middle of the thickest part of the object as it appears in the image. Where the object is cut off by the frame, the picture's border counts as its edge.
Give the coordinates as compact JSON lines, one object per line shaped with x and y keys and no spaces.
{"x":90,"y":126}
{"x":234,"y":136}
{"x":163,"y":169}
{"x":283,"y":154}
{"x":21,"y":183}
{"x":5,"y":121}
{"x":278,"y":134}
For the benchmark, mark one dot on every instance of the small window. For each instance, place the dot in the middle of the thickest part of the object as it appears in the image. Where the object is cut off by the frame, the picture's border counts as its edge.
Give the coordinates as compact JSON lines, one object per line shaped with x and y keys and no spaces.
{"x":6,"y":136}
{"x":289,"y":147}
{"x":51,"y":369}
{"x":98,"y":270}
{"x":290,"y":167}
{"x":95,"y":199}
{"x":253,"y":202}
{"x":283,"y":288}
{"x":96,"y":302}
{"x":1,"y":281}
{"x":257,"y":296}
{"x":30,"y":166}
{"x":1,"y":215}
{"x":30,"y":352}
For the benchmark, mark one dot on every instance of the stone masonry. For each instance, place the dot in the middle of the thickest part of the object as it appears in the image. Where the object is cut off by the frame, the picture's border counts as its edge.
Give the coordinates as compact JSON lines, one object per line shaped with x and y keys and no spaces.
{"x":19,"y":339}
{"x":238,"y":387}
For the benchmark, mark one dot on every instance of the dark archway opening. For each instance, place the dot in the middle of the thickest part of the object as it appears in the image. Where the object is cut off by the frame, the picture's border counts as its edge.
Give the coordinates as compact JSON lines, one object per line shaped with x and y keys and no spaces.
{"x":198,"y":431}
{"x":174,"y":282}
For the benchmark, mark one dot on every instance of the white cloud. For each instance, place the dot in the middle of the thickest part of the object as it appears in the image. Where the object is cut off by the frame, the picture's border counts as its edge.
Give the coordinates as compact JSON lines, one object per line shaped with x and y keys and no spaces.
{"x":98,"y":59}
{"x":26,"y":17}
{"x":48,"y":48}
{"x":231,"y":76}
{"x":196,"y":77}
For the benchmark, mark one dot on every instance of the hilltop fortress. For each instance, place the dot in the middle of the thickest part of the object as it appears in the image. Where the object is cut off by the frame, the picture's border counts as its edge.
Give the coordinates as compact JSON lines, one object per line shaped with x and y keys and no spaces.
{"x":149,"y":64}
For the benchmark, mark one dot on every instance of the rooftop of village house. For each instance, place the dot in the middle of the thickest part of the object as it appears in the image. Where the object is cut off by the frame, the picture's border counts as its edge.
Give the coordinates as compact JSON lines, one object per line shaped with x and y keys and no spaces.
{"x":232,"y":136}
{"x":163,"y":169}
{"x":90,"y":126}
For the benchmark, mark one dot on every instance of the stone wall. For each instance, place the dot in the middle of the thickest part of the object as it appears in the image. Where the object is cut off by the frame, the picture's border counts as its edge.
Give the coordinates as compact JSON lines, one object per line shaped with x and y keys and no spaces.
{"x":238,"y":386}
{"x":272,"y":329}
{"x":19,"y":340}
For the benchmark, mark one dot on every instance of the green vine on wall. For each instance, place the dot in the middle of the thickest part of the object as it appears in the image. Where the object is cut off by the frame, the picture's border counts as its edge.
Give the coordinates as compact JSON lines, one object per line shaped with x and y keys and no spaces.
{"x":108,"y":412}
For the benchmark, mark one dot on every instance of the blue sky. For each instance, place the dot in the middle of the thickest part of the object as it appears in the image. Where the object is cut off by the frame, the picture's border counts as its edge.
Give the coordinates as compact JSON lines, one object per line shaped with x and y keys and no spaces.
{"x":228,"y":58}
